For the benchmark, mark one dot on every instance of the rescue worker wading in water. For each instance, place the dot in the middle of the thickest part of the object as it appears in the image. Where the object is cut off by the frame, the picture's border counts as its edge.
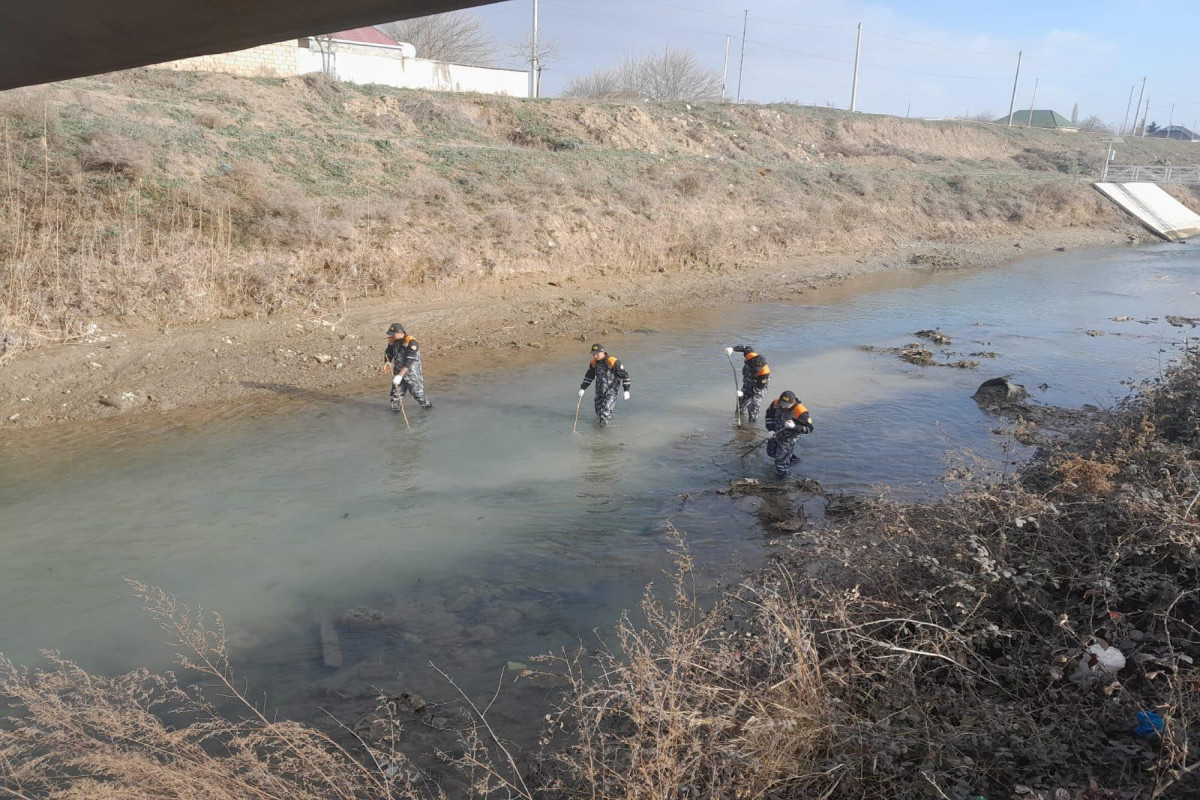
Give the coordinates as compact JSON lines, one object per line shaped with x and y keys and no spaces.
{"x":755,"y":377}
{"x":611,"y":379}
{"x":403,"y":357}
{"x":787,"y":418}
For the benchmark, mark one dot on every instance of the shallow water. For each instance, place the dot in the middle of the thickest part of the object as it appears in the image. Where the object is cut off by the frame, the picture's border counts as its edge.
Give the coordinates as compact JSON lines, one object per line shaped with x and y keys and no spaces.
{"x":488,"y":532}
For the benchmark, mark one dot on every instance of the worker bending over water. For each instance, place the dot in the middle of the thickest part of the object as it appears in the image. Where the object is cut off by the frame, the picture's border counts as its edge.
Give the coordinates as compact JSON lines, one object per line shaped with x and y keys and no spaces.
{"x":611,"y":379}
{"x":786,"y":418}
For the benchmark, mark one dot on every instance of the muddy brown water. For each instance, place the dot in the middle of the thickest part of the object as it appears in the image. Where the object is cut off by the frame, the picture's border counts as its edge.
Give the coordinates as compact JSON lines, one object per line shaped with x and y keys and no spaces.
{"x":487,"y":532}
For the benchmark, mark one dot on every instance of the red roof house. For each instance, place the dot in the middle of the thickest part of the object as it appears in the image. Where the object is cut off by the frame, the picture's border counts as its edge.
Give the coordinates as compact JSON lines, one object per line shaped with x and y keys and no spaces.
{"x":366,"y":35}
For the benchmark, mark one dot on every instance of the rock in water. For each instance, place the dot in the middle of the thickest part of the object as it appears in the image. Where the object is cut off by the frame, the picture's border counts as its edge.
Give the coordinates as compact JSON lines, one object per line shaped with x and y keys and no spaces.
{"x":999,"y":391}
{"x":935,"y":336}
{"x":918,"y":354}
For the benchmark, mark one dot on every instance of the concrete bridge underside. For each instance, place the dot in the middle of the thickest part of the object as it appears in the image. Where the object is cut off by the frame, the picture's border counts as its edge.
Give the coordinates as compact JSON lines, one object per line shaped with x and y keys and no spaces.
{"x":51,"y":40}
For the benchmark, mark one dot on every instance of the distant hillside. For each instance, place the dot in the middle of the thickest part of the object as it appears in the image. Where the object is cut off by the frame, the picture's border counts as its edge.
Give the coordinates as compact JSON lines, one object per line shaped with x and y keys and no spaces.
{"x":153,"y":196}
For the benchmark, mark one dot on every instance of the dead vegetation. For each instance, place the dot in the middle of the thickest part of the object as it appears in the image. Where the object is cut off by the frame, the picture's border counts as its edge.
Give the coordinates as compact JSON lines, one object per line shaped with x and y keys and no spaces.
{"x":165,"y":198}
{"x":1032,"y":638}
{"x":74,"y":735}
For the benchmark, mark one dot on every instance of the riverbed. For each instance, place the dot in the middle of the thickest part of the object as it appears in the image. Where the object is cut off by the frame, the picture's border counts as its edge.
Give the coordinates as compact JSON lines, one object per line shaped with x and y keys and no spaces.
{"x":489,"y":532}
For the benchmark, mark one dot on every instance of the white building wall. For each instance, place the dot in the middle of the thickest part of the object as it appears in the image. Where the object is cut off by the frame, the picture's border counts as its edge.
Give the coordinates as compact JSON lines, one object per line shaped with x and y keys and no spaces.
{"x":415,"y":73}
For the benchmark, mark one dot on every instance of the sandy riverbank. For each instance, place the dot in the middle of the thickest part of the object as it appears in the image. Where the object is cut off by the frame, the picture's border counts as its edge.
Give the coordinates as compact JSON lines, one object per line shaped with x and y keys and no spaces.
{"x":189,"y":374}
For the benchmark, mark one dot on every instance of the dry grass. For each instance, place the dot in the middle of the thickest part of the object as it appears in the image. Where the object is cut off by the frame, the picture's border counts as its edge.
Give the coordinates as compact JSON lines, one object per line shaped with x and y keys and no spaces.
{"x":73,"y":735}
{"x":162,"y":198}
{"x":1084,"y":476}
{"x":917,"y":651}
{"x":686,"y":706}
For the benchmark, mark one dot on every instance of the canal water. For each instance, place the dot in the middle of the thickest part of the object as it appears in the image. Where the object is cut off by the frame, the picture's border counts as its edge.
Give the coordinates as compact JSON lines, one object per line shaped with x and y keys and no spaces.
{"x":488,"y":532}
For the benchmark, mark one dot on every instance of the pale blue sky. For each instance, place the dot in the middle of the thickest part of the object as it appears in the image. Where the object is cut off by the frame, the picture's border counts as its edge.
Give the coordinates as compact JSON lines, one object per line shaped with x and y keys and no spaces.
{"x":1085,"y":52}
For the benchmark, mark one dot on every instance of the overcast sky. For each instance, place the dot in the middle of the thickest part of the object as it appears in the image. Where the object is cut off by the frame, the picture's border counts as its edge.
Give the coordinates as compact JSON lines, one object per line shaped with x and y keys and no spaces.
{"x":958,"y":57}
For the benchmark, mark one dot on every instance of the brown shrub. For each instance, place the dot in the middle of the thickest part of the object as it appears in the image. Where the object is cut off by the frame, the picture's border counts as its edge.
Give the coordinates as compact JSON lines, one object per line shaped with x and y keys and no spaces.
{"x":690,"y":185}
{"x":127,"y":157}
{"x":684,"y":702}
{"x":1081,"y":475}
{"x":1030,"y":159}
{"x":325,"y":87}
{"x":427,"y":111}
{"x":211,"y":120}
{"x":1059,"y":197}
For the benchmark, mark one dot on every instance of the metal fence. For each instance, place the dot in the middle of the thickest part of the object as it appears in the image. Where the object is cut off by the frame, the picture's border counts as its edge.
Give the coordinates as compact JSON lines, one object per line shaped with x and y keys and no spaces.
{"x":1125,"y":173}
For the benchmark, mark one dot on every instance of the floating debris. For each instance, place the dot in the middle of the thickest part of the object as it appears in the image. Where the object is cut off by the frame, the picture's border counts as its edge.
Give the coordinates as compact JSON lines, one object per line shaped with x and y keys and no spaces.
{"x":918,"y":354}
{"x":934,"y":335}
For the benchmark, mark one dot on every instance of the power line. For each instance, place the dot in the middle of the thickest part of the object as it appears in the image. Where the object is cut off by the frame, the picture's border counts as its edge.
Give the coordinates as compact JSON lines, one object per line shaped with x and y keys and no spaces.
{"x":874,"y":66}
{"x":799,"y":52}
{"x":1079,"y":74}
{"x":936,"y":74}
{"x":933,"y":46}
{"x":756,"y":19}
{"x":693,"y":10}
{"x":626,"y":18}
{"x":806,"y":25}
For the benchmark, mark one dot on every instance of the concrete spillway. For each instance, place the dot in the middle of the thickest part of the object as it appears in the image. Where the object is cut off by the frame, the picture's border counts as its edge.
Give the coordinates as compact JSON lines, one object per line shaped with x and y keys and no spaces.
{"x":1154,"y":208}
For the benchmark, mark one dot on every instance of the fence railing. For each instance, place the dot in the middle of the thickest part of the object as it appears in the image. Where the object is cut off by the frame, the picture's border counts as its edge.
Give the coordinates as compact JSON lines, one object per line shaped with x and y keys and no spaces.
{"x":1124,"y":173}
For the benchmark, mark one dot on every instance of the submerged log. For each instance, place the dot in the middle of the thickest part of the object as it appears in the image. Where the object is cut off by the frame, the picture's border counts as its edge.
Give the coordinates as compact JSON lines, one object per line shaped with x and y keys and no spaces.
{"x":331,"y":646}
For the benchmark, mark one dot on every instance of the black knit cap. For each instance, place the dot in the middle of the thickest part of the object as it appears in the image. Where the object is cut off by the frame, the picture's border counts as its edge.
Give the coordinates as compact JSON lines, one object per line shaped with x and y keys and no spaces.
{"x":788,"y":397}
{"x":598,"y":348}
{"x":395,"y":328}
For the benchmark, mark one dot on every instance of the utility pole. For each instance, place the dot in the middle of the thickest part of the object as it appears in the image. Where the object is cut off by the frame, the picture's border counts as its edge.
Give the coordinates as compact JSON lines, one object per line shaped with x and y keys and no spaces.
{"x":742,"y":59}
{"x":1170,"y":120}
{"x":725,"y":72}
{"x":1139,"y":105}
{"x":535,"y":68}
{"x":1128,"y":105}
{"x":908,"y":113}
{"x":1033,"y":101}
{"x":854,"y":87}
{"x":1145,"y":116}
{"x":1012,"y":103}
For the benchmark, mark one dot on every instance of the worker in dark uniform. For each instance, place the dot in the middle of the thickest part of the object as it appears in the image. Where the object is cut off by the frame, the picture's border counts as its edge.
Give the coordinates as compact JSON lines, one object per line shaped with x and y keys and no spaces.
{"x":611,"y":379}
{"x":403,"y":358}
{"x":786,"y":418}
{"x":755,"y":377}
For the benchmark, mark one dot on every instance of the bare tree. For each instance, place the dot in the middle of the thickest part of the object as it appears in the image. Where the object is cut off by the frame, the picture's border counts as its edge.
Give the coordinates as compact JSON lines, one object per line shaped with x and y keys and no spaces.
{"x":1094,"y":124}
{"x":522,"y":51}
{"x":458,"y":36}
{"x":669,"y":75}
{"x":605,"y":84}
{"x":324,"y":43}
